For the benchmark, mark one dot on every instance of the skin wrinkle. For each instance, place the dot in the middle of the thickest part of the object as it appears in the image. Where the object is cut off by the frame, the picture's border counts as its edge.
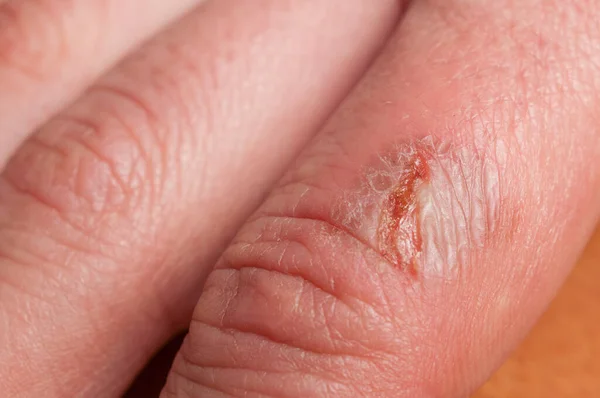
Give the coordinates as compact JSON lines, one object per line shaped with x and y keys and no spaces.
{"x":110,"y":192}
{"x":244,"y":251}
{"x":11,"y":238}
{"x":316,"y":355}
{"x":16,"y":186}
{"x":377,"y":286}
{"x":60,"y":246}
{"x":263,"y":264}
{"x":173,"y":143}
{"x":306,"y":282}
{"x":123,"y":94}
{"x":142,"y":161}
{"x":226,"y":326}
{"x":87,"y":227}
{"x":192,"y":385}
{"x":358,"y":314}
{"x":324,"y":223}
{"x":309,"y":365}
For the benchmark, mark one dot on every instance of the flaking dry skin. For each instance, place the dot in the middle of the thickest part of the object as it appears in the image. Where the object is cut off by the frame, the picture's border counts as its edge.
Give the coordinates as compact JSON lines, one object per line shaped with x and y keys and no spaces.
{"x":398,"y":234}
{"x":426,"y":205}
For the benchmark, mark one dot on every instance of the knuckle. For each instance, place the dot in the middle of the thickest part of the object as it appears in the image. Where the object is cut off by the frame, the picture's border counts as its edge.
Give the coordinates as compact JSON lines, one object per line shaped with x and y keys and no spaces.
{"x":70,"y":204}
{"x":83,"y":189}
{"x":70,"y":176}
{"x":91,"y":169}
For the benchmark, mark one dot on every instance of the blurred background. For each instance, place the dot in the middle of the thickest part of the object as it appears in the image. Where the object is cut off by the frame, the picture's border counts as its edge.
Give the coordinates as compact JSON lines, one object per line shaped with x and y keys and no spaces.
{"x":561,"y":356}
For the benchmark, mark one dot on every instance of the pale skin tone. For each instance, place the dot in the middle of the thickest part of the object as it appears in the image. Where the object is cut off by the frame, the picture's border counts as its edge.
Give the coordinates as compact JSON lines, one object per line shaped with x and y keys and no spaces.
{"x":337,"y":198}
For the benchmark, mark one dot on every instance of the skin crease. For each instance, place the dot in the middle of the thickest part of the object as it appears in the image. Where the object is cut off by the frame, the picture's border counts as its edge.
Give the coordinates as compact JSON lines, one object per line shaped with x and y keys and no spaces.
{"x":404,"y":252}
{"x":305,"y":287}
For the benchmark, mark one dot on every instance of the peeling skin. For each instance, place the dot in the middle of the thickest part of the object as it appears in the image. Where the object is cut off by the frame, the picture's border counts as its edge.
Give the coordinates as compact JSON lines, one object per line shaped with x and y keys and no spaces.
{"x":398,"y":233}
{"x":426,"y":206}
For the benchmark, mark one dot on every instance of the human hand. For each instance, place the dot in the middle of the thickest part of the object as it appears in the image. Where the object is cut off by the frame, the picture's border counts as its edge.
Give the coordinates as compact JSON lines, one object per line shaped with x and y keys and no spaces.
{"x":403,"y":254}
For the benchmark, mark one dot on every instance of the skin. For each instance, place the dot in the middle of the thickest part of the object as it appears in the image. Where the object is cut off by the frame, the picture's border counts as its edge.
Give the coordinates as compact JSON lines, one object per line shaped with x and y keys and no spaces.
{"x":359,"y":198}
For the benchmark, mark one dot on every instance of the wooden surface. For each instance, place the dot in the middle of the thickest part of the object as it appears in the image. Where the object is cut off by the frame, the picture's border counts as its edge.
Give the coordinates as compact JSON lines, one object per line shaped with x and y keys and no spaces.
{"x":561,"y":356}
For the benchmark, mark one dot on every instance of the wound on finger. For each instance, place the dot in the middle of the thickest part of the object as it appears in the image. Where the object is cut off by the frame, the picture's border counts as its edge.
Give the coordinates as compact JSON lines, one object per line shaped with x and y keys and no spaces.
{"x":425,"y":205}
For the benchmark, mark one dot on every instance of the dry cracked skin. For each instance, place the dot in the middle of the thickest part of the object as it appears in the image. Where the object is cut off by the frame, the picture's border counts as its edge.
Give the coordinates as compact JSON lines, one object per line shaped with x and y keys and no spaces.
{"x":425,"y":205}
{"x":345,"y":247}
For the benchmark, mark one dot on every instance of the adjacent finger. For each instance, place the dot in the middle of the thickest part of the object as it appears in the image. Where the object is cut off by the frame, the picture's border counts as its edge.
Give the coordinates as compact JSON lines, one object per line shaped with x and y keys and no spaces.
{"x":51,"y":49}
{"x":426,"y":228}
{"x":112,"y":213}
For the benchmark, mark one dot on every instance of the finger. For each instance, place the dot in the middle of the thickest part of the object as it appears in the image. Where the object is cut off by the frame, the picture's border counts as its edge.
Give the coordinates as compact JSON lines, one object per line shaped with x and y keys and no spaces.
{"x":422,"y":233}
{"x":112,"y":213}
{"x":51,"y":49}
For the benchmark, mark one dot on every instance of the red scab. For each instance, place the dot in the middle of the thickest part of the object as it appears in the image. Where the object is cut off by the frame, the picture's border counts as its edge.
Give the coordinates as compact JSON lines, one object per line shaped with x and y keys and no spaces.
{"x":398,"y":232}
